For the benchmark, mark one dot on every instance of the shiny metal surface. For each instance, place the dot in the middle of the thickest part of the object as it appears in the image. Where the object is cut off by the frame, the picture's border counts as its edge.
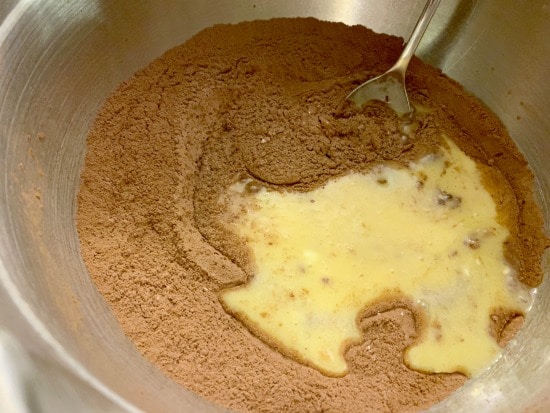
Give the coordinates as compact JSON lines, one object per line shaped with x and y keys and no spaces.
{"x":390,"y":85}
{"x":59,"y":60}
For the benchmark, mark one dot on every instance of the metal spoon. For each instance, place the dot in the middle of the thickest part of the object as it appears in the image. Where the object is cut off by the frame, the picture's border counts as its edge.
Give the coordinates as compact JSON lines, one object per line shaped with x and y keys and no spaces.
{"x":390,"y":86}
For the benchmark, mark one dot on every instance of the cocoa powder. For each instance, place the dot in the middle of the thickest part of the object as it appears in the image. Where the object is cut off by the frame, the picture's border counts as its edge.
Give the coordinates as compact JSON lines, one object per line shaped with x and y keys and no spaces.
{"x":263,"y":100}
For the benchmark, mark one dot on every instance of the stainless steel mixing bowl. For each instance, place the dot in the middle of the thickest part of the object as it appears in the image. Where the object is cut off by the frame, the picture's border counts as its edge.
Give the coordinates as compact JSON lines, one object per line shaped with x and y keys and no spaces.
{"x":60,"y":346}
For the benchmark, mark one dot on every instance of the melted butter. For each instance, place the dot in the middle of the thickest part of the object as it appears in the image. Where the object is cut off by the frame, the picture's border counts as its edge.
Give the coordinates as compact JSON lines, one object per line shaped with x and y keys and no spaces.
{"x":428,"y":232}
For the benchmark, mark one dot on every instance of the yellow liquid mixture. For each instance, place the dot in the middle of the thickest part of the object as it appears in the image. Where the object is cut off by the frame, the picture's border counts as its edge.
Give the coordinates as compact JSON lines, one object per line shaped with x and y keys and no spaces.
{"x":428,"y":232}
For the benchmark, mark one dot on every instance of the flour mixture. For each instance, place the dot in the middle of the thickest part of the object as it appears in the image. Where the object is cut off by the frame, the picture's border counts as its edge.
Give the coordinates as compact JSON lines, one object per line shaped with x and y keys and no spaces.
{"x":254,"y":109}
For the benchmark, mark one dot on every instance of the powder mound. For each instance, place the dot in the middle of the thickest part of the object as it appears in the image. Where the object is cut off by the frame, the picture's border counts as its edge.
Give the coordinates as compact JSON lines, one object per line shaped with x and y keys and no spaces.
{"x":261,"y":100}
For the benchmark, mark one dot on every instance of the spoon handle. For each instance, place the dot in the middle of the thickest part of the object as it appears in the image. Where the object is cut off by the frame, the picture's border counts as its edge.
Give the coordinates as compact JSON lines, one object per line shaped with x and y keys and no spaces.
{"x":416,"y":36}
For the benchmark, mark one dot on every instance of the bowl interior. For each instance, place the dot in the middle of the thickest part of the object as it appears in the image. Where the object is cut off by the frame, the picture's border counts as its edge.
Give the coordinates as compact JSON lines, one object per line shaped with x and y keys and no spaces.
{"x":60,"y":60}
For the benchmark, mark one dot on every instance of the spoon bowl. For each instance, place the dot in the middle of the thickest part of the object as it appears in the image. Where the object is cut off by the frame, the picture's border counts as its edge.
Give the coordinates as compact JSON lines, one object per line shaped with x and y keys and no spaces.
{"x":390,"y":86}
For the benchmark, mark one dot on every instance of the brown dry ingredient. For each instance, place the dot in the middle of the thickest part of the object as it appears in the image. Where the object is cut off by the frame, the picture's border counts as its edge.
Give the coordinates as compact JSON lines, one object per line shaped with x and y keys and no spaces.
{"x":260,"y":99}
